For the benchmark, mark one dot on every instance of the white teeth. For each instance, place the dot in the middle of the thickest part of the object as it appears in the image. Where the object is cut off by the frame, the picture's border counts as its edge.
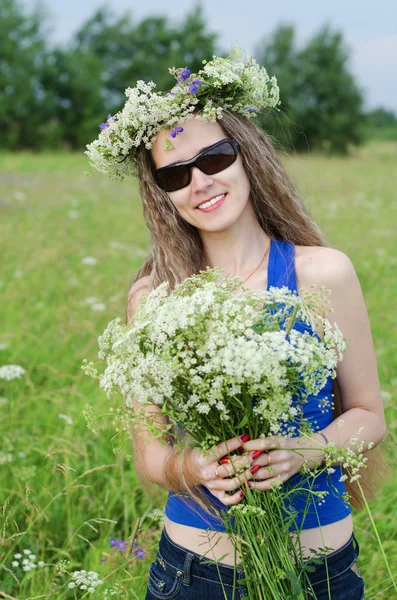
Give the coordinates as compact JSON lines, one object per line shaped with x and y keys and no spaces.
{"x":211,"y":202}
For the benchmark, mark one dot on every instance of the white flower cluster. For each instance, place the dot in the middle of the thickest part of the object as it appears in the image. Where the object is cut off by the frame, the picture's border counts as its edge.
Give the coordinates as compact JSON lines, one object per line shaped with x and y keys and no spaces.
{"x":85,"y":580}
{"x":9,"y":372}
{"x":26,"y":561}
{"x":235,"y":83}
{"x":115,"y":591}
{"x":203,"y":353}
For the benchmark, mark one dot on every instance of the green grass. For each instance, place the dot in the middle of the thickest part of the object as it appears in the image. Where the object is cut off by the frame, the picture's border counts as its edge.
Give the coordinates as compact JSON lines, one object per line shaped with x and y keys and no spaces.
{"x":64,"y":491}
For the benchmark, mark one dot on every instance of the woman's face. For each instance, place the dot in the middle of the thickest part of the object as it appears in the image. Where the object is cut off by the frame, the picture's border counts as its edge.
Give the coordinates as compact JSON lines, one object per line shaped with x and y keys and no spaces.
{"x":231,"y":185}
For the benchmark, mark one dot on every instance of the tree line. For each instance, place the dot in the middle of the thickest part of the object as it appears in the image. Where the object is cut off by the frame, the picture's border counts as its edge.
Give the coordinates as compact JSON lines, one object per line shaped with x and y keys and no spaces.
{"x":54,"y":96}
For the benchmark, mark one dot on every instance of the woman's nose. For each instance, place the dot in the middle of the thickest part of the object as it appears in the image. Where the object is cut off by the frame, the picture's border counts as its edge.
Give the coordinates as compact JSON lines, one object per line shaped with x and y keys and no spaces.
{"x":200,"y":180}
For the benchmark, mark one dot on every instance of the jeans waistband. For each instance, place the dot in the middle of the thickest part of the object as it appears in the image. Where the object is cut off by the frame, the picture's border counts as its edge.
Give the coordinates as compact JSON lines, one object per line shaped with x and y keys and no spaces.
{"x":193,"y":564}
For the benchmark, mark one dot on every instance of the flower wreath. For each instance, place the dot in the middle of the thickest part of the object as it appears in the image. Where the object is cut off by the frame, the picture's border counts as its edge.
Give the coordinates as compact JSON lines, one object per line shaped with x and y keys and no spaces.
{"x":232,"y":83}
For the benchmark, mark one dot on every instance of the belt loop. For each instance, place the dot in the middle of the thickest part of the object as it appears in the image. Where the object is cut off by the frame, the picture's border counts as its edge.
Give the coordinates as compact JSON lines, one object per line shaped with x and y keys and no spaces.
{"x":187,"y":567}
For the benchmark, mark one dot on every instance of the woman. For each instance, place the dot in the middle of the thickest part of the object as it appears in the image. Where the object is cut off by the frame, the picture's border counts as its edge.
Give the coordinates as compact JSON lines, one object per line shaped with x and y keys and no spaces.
{"x":215,"y":194}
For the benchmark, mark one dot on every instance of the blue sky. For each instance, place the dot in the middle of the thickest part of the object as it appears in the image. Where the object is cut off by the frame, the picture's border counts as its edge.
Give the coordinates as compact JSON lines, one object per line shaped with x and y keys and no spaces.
{"x":370,"y":29}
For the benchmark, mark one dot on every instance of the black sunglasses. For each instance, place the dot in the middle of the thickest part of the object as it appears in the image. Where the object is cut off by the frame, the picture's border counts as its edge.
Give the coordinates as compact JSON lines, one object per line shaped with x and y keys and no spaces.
{"x":212,"y":160}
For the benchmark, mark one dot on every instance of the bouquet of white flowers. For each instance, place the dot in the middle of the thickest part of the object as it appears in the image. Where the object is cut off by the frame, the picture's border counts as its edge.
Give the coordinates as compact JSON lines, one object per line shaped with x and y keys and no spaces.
{"x":221,"y":360}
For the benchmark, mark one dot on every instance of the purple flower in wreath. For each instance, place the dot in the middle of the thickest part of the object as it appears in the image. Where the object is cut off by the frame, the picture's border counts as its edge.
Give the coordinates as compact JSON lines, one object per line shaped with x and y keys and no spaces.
{"x":185,"y":74}
{"x":175,"y":131}
{"x":252,"y":109}
{"x":195,"y":86}
{"x":106,"y":124}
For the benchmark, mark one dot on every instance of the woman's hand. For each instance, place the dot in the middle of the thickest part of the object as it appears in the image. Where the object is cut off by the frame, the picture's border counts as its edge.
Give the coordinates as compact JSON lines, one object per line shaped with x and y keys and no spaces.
{"x":221,"y":473}
{"x":281,"y":457}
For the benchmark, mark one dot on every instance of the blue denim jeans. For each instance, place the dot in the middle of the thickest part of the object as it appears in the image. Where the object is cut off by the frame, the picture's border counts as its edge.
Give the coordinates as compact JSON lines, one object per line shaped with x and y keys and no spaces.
{"x":182,"y":574}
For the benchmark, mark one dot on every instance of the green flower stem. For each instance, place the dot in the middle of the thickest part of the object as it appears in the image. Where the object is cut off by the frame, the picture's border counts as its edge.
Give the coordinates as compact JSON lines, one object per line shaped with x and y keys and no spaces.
{"x":377,"y":534}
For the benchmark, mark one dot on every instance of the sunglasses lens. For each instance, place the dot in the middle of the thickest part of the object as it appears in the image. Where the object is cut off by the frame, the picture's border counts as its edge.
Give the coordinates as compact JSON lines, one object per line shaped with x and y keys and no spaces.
{"x":173,"y":179}
{"x":218,"y":158}
{"x":211,"y":161}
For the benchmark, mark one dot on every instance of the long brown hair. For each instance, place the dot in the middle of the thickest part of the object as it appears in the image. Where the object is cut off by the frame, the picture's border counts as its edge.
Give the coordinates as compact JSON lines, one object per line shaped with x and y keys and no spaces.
{"x":177,"y":251}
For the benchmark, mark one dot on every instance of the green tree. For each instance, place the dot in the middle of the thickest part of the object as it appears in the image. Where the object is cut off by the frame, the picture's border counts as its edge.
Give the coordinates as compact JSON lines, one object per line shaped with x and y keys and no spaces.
{"x":129,"y":52}
{"x":23,"y":98}
{"x":321,"y":102}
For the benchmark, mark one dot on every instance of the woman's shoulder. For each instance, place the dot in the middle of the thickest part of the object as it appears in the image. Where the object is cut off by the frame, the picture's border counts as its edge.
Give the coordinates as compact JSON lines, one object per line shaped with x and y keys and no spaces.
{"x":323,"y":266}
{"x":136,"y":291}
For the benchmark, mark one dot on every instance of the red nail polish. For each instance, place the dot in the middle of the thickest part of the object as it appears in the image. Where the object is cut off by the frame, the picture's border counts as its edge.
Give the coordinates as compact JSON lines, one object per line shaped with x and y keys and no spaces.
{"x":254,"y":469}
{"x":256,"y":454}
{"x":249,"y":483}
{"x":242,"y":493}
{"x":225,"y":460}
{"x":245,"y":438}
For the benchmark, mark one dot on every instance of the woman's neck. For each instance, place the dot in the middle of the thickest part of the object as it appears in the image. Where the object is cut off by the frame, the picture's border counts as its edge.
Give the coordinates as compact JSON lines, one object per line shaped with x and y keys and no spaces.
{"x":236,"y":251}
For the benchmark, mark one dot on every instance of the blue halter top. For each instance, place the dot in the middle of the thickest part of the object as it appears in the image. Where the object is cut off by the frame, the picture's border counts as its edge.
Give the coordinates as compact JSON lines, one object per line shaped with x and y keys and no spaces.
{"x":310,"y":510}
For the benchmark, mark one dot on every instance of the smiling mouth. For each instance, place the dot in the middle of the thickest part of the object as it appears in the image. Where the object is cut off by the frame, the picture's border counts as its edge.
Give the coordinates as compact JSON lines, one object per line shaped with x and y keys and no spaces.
{"x":211,"y":202}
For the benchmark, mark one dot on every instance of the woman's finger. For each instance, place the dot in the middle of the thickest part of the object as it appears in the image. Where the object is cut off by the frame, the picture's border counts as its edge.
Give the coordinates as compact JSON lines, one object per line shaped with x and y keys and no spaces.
{"x":267,"y":484}
{"x":229,"y":484}
{"x":225,"y":448}
{"x":233,"y":466}
{"x":229,"y":500}
{"x":268,"y":443}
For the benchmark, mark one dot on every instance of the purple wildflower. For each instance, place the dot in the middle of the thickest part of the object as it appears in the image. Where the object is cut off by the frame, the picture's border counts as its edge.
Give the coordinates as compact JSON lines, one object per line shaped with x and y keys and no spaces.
{"x":112,"y":542}
{"x":195,"y":85}
{"x":121,"y":545}
{"x":185,"y":74}
{"x":140,"y":553}
{"x":103,"y":559}
{"x":251,"y":109}
{"x":175,"y":131}
{"x":106,"y":124}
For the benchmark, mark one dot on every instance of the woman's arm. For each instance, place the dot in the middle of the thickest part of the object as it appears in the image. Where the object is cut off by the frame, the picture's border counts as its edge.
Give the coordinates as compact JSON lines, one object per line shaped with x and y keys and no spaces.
{"x":157,"y":461}
{"x":357,"y":373}
{"x":363,"y":416}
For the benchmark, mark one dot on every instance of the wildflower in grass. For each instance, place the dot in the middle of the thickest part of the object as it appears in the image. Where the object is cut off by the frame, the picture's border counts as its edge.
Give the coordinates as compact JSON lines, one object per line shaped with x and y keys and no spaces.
{"x":85,"y":580}
{"x":5,"y":458}
{"x":89,"y":260}
{"x":66,"y":418}
{"x":90,"y":300}
{"x":26,"y":561}
{"x":74,"y":214}
{"x":385,"y":395}
{"x":121,"y":545}
{"x":98,"y":306}
{"x":115,"y":591}
{"x":9,"y":372}
{"x":3,"y":346}
{"x":140,"y":553}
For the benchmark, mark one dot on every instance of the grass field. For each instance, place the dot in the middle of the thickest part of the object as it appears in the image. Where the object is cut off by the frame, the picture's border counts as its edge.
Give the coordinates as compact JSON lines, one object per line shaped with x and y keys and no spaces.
{"x":69,"y":246}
